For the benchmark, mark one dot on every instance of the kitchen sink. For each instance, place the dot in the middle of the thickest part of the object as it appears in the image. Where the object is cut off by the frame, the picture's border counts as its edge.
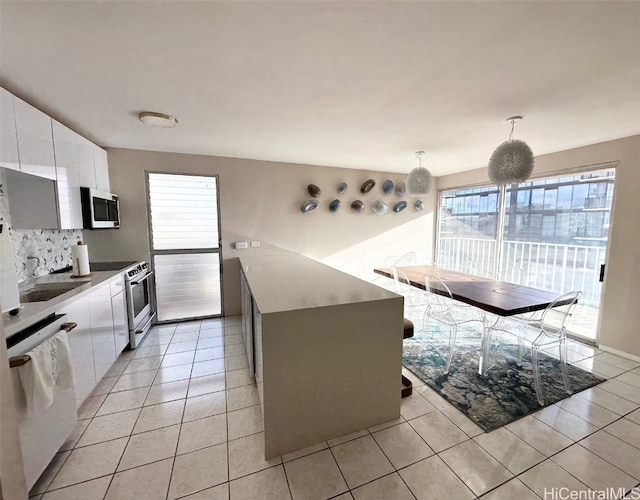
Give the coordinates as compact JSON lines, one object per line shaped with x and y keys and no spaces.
{"x":47,"y":291}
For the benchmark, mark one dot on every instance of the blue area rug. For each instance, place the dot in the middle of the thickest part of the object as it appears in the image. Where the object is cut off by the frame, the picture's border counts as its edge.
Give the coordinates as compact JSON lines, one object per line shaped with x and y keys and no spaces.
{"x":506,"y":393}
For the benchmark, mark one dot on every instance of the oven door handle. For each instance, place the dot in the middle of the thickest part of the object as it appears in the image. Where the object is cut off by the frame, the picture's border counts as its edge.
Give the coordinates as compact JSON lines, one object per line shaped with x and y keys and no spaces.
{"x":147,"y":324}
{"x":137,"y":282}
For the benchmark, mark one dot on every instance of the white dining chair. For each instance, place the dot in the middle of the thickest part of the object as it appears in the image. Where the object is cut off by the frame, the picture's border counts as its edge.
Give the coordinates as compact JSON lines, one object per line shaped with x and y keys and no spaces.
{"x":407,"y":259}
{"x":519,"y":276}
{"x":547,"y":332}
{"x":391,"y":261}
{"x":441,"y":309}
{"x":383,"y":281}
{"x":415,"y":299}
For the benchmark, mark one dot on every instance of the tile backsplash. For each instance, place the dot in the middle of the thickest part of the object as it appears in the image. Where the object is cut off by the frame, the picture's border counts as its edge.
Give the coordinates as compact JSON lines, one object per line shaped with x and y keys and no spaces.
{"x":52,"y":247}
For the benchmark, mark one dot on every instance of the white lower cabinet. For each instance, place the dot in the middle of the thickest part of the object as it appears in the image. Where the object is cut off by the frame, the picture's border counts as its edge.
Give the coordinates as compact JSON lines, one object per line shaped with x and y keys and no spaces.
{"x":81,"y":348}
{"x":101,"y":335}
{"x":120,"y":323}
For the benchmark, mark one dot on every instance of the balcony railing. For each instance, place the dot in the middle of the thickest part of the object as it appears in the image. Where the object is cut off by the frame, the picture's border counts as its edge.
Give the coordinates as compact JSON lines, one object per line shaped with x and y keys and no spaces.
{"x":553,"y":267}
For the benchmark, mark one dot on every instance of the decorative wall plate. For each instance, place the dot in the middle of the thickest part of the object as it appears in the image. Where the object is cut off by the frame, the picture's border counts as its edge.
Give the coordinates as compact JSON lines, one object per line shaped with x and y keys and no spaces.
{"x":401,"y":189}
{"x":308,"y":206}
{"x":419,"y":205}
{"x":400,"y":206}
{"x":379,"y":207}
{"x":342,"y":187}
{"x":357,"y":206}
{"x":387,"y":187}
{"x":334,"y":206}
{"x":313,"y":190}
{"x":367,"y":186}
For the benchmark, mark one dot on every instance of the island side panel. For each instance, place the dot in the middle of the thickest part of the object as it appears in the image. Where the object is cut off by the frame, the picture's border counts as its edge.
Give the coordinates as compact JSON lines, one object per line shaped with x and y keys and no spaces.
{"x":329,"y":371}
{"x":257,"y":356}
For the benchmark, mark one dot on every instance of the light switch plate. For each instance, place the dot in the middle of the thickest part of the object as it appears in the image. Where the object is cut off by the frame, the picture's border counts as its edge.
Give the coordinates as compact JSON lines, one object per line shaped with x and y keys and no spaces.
{"x":255,"y":243}
{"x":241,"y":245}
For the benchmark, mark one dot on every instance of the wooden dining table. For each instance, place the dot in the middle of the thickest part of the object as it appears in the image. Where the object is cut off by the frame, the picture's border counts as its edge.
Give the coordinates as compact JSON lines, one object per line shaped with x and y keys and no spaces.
{"x":500,"y":298}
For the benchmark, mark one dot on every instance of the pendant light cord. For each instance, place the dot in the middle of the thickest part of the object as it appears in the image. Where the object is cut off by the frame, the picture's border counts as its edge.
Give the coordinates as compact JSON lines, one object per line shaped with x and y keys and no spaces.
{"x":513,"y":125}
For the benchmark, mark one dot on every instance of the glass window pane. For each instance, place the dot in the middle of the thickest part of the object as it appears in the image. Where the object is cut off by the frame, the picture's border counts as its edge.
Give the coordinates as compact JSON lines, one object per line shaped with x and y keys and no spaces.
{"x":475,"y":204}
{"x":564,"y":197}
{"x":468,"y":230}
{"x":550,"y":197}
{"x":580,"y":193}
{"x":187,"y":285}
{"x":537,"y":198}
{"x":492,"y":205}
{"x":548,"y":226}
{"x":184,"y":211}
{"x":483,"y":203}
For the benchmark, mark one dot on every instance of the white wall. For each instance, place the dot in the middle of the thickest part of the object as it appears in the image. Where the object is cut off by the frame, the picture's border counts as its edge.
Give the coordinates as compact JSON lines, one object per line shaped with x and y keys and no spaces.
{"x":620,"y":312}
{"x":261,"y":201}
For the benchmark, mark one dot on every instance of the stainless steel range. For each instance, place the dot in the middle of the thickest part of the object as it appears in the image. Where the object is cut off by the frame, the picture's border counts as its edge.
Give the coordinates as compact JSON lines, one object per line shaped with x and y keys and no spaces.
{"x":138,"y":284}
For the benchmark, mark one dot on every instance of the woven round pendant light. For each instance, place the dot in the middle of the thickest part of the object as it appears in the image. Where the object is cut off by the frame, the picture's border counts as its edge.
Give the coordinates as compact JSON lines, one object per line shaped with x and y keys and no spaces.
{"x":419,"y":180}
{"x":512,"y":161}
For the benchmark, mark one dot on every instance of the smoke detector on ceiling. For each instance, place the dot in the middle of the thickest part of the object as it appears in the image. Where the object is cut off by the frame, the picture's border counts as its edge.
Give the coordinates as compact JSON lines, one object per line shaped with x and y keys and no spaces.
{"x":158,"y":119}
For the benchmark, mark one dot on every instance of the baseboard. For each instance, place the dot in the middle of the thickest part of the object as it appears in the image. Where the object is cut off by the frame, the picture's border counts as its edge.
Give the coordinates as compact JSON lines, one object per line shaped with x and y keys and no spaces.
{"x":583,"y":340}
{"x":622,"y":354}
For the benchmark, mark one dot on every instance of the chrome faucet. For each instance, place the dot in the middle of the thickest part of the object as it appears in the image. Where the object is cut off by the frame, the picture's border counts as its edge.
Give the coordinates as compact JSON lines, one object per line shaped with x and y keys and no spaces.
{"x":37,"y":259}
{"x":28,"y":281}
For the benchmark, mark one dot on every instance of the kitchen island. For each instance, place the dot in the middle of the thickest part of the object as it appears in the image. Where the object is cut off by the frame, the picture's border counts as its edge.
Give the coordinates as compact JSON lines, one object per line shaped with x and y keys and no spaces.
{"x":326,"y":347}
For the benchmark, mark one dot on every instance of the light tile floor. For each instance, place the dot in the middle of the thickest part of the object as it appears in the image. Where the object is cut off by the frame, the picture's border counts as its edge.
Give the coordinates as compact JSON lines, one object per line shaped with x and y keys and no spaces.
{"x":180,"y":418}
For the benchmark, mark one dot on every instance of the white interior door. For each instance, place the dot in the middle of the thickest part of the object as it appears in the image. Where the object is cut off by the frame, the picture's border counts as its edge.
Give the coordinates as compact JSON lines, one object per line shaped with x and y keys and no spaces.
{"x":185,"y":245}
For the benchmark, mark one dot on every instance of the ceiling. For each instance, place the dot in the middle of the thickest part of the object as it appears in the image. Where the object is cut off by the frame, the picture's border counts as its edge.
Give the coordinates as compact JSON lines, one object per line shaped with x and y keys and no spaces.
{"x":348,"y":84}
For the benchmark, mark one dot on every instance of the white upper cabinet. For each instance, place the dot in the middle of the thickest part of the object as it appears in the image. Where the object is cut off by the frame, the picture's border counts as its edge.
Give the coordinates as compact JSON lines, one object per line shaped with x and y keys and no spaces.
{"x":35,"y":140}
{"x":101,"y":169}
{"x":8,"y":140}
{"x":33,"y":143}
{"x":86,"y":169}
{"x":33,"y":201}
{"x":66,"y":155}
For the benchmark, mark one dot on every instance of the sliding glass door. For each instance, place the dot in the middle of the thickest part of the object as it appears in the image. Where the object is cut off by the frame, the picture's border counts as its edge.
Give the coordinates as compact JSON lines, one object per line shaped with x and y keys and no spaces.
{"x":185,"y":245}
{"x":554,"y":236}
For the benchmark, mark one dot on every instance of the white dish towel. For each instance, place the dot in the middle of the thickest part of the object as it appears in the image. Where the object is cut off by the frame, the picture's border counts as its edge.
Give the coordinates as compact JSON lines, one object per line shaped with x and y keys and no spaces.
{"x":48,"y":371}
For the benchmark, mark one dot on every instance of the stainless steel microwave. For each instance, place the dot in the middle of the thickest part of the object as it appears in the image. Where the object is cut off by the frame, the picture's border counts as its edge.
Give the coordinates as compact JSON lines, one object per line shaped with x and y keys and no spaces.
{"x":100,"y":210}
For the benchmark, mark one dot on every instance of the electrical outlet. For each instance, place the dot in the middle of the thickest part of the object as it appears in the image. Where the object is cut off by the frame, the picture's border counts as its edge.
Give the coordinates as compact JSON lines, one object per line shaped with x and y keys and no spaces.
{"x":255,"y":243}
{"x":241,"y":245}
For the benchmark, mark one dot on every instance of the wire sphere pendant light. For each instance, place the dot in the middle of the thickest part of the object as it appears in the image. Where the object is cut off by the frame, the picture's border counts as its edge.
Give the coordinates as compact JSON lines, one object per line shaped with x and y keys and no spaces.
{"x":512,"y":161}
{"x":419,"y":180}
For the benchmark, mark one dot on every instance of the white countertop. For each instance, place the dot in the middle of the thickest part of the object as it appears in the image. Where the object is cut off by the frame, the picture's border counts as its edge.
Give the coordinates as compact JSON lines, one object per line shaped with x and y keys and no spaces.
{"x":30,"y":312}
{"x":286,"y":281}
